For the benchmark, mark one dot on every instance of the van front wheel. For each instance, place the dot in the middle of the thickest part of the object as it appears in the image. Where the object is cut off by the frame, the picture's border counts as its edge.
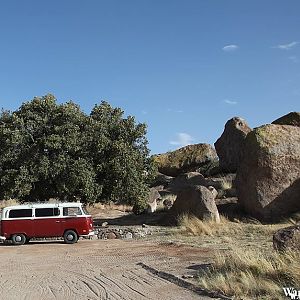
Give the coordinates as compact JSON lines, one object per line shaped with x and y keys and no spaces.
{"x":70,"y":237}
{"x":18,"y":239}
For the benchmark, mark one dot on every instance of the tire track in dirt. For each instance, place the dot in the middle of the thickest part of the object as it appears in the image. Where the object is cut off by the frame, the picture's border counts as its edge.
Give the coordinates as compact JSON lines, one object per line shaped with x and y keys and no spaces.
{"x":88,"y":270}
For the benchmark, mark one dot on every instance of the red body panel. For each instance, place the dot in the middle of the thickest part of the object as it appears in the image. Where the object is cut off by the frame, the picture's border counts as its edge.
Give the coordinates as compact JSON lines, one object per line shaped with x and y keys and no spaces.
{"x":47,"y":227}
{"x":50,"y":226}
{"x":9,"y":227}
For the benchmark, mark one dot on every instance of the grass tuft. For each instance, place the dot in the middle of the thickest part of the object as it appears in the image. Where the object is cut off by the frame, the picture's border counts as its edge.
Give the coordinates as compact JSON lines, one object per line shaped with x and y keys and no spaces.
{"x":253,"y":274}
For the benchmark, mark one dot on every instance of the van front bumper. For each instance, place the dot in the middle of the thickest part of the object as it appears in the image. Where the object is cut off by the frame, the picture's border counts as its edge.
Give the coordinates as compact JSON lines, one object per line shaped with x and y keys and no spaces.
{"x":2,"y":238}
{"x":92,"y":233}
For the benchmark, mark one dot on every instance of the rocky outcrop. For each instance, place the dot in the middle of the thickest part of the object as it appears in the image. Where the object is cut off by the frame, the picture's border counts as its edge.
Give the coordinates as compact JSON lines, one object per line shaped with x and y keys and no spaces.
{"x":229,"y":145}
{"x":162,"y":179}
{"x":224,"y":186}
{"x":187,"y":179}
{"x":268,"y":178}
{"x":190,"y":158}
{"x":197,"y":201}
{"x":293,"y":118}
{"x":287,"y":238}
{"x":152,"y":200}
{"x":213,"y":191}
{"x":167,"y":199}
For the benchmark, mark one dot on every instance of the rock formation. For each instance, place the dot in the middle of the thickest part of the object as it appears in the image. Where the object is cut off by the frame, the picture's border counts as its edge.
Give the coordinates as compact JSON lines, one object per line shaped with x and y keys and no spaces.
{"x":293,"y":118}
{"x":229,"y":145}
{"x":186,"y":159}
{"x":197,"y":201}
{"x":287,"y":238}
{"x":268,"y":178}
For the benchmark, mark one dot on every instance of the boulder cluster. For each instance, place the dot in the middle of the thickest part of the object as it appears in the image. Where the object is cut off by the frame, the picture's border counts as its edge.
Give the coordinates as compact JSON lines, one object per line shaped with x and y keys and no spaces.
{"x":259,"y":169}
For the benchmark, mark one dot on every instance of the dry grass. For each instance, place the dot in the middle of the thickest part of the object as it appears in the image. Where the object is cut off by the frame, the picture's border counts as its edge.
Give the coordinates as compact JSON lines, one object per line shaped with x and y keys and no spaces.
{"x":252,"y":274}
{"x":9,"y":202}
{"x":113,"y":206}
{"x":226,"y":184}
{"x":250,"y":268}
{"x":96,"y":207}
{"x":194,"y":226}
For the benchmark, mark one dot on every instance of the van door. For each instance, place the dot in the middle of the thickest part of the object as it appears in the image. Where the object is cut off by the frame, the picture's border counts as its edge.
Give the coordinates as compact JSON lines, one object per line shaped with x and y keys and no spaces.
{"x":47,"y":222}
{"x":75,"y":220}
{"x":19,"y":221}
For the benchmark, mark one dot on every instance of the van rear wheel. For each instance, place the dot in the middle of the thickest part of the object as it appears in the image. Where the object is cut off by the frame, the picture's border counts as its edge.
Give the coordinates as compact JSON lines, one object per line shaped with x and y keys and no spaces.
{"x":18,"y":239}
{"x":70,"y":237}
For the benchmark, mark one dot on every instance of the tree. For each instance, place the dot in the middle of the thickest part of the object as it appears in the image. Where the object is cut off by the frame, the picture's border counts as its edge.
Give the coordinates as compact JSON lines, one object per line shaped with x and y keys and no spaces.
{"x":50,"y":150}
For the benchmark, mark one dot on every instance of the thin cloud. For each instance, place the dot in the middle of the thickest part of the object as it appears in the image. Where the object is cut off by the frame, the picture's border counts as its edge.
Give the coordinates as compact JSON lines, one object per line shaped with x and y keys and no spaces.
{"x":230,"y":48}
{"x":175,"y":111}
{"x":230,"y":102}
{"x":183,"y":139}
{"x":288,"y":46}
{"x":294,"y":59}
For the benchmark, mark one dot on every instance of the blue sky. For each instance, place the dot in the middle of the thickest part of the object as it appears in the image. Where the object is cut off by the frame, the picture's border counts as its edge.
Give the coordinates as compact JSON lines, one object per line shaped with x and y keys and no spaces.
{"x":183,"y":67}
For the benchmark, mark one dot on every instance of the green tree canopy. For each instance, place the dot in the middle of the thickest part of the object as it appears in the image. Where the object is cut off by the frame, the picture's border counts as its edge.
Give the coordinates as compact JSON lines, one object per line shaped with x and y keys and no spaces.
{"x":50,"y":150}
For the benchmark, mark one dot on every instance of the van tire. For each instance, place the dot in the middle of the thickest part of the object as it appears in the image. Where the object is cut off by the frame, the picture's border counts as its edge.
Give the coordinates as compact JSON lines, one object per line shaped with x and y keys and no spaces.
{"x":70,"y":237}
{"x":18,"y":239}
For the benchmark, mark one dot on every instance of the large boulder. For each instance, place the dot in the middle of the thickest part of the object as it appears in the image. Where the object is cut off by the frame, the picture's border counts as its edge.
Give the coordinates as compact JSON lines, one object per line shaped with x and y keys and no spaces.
{"x":293,"y":118}
{"x":186,"y":159}
{"x":268,"y":178}
{"x":187,"y":179}
{"x":229,"y":145}
{"x":287,"y":238}
{"x":197,"y":201}
{"x":152,"y":199}
{"x":162,"y":179}
{"x":224,"y":185}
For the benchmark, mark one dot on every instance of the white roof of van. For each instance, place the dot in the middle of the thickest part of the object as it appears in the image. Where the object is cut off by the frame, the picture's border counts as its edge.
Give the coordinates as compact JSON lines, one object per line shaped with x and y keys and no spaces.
{"x":44,"y":205}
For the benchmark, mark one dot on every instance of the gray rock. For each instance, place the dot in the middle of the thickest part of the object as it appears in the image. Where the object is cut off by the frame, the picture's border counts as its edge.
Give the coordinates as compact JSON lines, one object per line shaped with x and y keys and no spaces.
{"x":162,"y":179}
{"x":293,"y":118}
{"x":152,"y":200}
{"x":188,"y":179}
{"x":229,"y":146}
{"x":128,"y":235}
{"x":213,"y":191}
{"x":287,"y":238}
{"x":268,"y":179}
{"x":186,"y":159}
{"x":197,"y":201}
{"x":104,"y":224}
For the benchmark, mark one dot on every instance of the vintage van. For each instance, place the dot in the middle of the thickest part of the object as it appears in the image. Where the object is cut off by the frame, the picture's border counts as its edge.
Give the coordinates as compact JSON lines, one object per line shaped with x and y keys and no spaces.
{"x":68,"y":220}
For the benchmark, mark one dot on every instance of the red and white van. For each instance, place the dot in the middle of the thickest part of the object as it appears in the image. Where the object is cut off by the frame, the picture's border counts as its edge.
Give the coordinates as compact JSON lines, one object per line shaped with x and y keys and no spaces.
{"x":68,"y":220}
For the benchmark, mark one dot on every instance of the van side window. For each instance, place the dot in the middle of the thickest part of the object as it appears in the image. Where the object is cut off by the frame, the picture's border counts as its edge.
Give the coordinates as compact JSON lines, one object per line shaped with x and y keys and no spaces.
{"x":20,"y":213}
{"x":46,"y":212}
{"x":72,"y":211}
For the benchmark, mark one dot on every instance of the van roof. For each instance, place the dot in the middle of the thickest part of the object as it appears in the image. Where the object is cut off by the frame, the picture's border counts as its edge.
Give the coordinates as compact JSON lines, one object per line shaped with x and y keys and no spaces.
{"x":44,"y":205}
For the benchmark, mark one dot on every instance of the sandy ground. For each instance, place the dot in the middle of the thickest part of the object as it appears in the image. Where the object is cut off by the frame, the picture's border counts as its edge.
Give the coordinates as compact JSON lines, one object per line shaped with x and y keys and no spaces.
{"x":99,"y":269}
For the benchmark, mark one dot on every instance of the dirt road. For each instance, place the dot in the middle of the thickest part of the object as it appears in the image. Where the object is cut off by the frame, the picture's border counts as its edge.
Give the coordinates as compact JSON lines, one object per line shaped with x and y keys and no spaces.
{"x":97,"y":269}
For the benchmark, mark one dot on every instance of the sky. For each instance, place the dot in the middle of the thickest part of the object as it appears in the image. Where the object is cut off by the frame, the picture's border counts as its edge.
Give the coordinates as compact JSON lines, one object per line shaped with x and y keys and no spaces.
{"x":182,"y":67}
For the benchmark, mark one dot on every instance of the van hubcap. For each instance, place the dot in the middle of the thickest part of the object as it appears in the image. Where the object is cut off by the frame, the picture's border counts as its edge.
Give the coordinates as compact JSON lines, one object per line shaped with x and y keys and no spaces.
{"x":18,"y":238}
{"x":70,"y":237}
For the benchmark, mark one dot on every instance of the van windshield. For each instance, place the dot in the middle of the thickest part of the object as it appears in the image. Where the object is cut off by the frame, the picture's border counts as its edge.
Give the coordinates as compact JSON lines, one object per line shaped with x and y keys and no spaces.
{"x":85,"y":211}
